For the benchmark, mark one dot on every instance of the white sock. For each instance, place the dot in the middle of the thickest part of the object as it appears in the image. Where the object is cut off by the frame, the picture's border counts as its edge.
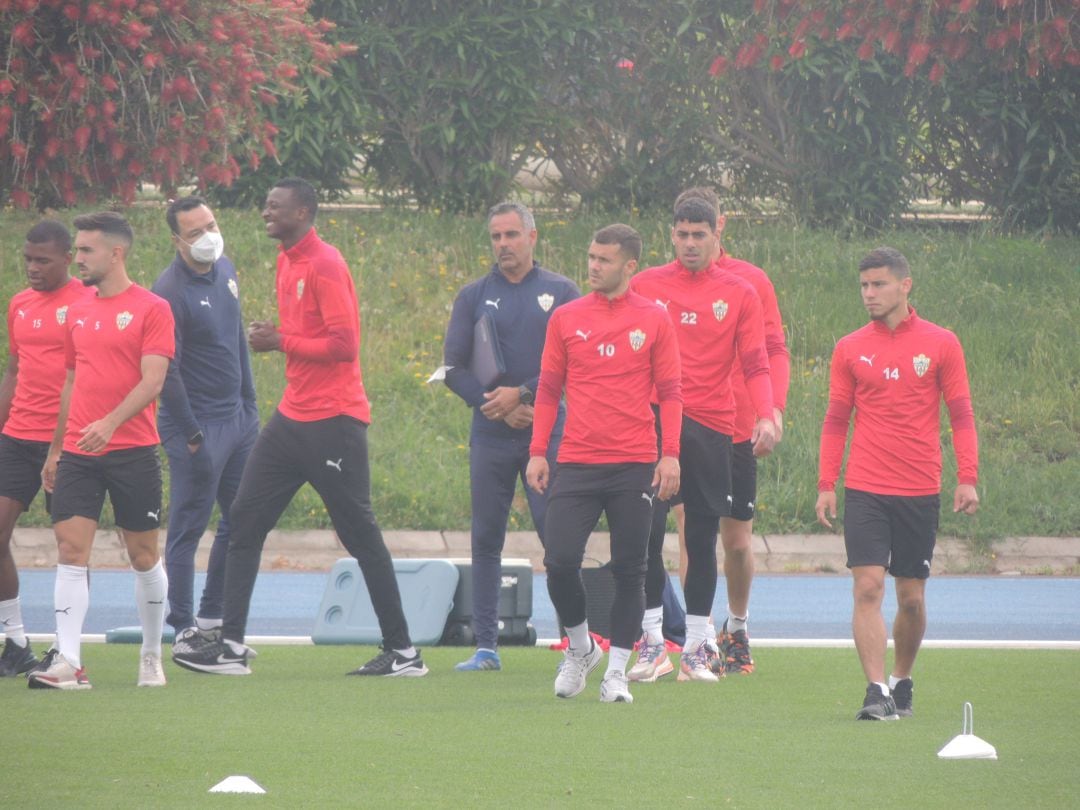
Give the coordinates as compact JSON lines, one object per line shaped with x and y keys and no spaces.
{"x":652,"y":625}
{"x":736,"y":622}
{"x":407,"y":652}
{"x":11,"y":618}
{"x":578,"y":636}
{"x":697,"y":630}
{"x":618,"y":658}
{"x":893,"y":681}
{"x":885,"y":690}
{"x":71,"y":600}
{"x":150,"y":590}
{"x":207,"y":624}
{"x":710,"y":630}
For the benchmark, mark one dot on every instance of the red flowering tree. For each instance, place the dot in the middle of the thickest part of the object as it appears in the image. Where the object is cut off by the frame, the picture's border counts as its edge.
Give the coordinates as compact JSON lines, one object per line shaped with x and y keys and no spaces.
{"x":98,"y":96}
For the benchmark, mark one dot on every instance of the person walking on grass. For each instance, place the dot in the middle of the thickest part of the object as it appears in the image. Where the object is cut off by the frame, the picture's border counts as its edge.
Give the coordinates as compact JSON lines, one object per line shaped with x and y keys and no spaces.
{"x":317,"y":435}
{"x":29,"y":407}
{"x":118,"y":344}
{"x":609,"y":351}
{"x":519,"y":297}
{"x":893,"y":373}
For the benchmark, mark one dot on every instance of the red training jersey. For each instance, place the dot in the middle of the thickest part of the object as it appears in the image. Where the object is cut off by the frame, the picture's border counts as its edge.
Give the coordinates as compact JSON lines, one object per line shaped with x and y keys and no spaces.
{"x":608,"y":354}
{"x":775,"y":347}
{"x":717,"y":317}
{"x":107,"y":339}
{"x":320,"y":333}
{"x":895,"y":380}
{"x":36,"y":330}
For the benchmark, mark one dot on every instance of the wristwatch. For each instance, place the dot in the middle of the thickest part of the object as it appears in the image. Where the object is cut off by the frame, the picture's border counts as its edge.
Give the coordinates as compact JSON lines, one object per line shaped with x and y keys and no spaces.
{"x":525,"y":395}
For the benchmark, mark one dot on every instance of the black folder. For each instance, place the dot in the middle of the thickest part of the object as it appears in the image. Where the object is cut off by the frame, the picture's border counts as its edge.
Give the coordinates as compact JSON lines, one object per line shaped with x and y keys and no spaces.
{"x":487,"y":361}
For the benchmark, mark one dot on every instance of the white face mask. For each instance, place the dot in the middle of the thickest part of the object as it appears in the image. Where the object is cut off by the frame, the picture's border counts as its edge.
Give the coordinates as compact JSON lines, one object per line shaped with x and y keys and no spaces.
{"x":208,"y":248}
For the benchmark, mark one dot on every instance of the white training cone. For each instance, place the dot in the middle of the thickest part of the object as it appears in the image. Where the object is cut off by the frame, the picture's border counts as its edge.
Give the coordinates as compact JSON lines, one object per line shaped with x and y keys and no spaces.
{"x":236,"y":784}
{"x":966,"y":745}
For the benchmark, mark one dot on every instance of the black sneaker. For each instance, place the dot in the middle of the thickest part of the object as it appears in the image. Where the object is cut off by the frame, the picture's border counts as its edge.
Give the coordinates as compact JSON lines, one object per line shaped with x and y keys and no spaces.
{"x":901,"y":694}
{"x":391,"y":664}
{"x":16,"y":660}
{"x":216,"y":657}
{"x":735,"y":651}
{"x":876,"y":706}
{"x":191,"y":638}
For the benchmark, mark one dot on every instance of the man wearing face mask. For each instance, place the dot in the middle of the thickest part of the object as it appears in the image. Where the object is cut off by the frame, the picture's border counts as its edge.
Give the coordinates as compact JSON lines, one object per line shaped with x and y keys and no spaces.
{"x":208,"y":419}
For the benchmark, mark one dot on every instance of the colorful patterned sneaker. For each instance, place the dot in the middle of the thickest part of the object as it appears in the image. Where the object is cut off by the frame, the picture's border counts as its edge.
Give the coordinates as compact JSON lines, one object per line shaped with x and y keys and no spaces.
{"x":188,"y":639}
{"x":16,"y":660}
{"x":390,"y":664}
{"x":150,"y":671}
{"x":694,"y":666}
{"x":652,"y":663}
{"x":713,"y":658}
{"x":902,"y":697}
{"x":876,"y":706}
{"x":614,"y":688}
{"x":217,"y":658}
{"x":481,"y":660}
{"x":575,"y":670}
{"x":54,"y":672}
{"x":735,"y":651}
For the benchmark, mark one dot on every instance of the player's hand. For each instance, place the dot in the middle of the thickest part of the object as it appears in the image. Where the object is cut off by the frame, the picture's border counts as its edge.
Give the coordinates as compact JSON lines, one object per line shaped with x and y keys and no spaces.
{"x":500,"y":402}
{"x":666,"y":479}
{"x":538,"y":473}
{"x":778,"y":419}
{"x":520,"y":417}
{"x":966,"y":499}
{"x":263,"y":336}
{"x":95,"y":436}
{"x":763,"y":438}
{"x":48,"y":472}
{"x":826,"y":508}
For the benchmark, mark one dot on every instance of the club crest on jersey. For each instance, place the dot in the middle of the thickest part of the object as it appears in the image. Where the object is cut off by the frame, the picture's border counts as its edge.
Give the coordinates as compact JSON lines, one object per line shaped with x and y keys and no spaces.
{"x":719,"y":309}
{"x":921,"y":363}
{"x":123,"y":319}
{"x":61,"y":314}
{"x":545,"y":301}
{"x":233,"y":288}
{"x":300,"y":289}
{"x":637,"y":339}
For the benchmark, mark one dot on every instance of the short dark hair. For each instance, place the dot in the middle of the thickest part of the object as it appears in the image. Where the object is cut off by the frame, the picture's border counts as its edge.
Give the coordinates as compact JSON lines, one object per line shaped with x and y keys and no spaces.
{"x":887,"y":257}
{"x":528,"y":222}
{"x":695,"y":210}
{"x":180,"y":206}
{"x":700,"y":193}
{"x":628,"y":240}
{"x":109,"y":223}
{"x":303,"y":192}
{"x":49,"y":231}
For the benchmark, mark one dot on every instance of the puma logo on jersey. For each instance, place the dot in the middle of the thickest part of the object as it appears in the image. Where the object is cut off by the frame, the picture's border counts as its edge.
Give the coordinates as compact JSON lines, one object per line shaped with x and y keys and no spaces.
{"x":868,"y":360}
{"x":335,"y":464}
{"x":22,"y":314}
{"x":584,"y":335}
{"x":491,"y":303}
{"x":80,"y":322}
{"x":205,"y":303}
{"x":153,"y":515}
{"x":663,"y":303}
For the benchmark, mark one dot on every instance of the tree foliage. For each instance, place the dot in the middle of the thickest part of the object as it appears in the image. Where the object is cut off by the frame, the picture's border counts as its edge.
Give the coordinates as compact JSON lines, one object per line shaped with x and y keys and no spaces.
{"x":96,"y":96}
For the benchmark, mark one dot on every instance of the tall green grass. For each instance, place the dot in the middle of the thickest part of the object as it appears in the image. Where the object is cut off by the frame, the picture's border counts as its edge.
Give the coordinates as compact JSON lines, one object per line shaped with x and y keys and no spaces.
{"x":1012,"y":300}
{"x":783,"y":737}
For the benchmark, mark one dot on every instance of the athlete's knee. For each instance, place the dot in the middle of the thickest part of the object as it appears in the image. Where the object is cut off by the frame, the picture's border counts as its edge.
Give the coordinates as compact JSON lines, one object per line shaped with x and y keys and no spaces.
{"x":869,"y":587}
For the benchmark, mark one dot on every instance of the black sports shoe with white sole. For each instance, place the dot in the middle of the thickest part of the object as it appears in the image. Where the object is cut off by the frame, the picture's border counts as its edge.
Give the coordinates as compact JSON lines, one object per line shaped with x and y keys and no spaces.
{"x":217,"y":658}
{"x":877,"y":706}
{"x":391,"y":664}
{"x":902,"y":697}
{"x":16,"y":660}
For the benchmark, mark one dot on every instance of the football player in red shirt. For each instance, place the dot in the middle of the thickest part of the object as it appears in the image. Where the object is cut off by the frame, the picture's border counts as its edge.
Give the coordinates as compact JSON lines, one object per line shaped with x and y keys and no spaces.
{"x":118,"y":345}
{"x":609,"y":351}
{"x":718,"y":318}
{"x":893,"y":373}
{"x":29,"y":404}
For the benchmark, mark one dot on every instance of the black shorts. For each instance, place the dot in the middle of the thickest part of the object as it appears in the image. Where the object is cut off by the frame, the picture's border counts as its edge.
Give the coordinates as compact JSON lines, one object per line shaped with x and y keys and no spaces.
{"x":131,"y":477}
{"x":705,"y":459}
{"x":20,"y":469}
{"x":897,"y":532}
{"x":743,"y":480}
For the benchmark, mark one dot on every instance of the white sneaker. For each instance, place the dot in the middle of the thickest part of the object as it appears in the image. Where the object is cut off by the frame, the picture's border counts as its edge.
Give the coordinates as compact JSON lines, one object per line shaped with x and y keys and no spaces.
{"x":614,"y":688}
{"x":652,"y":663}
{"x":694,"y":666}
{"x":54,"y":672}
{"x":571,"y":678}
{"x":150,"y":671}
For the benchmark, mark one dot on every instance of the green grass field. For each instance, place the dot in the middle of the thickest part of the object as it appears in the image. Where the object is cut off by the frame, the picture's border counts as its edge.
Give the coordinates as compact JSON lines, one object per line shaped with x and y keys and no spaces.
{"x":783,"y":737}
{"x":1012,"y":300}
